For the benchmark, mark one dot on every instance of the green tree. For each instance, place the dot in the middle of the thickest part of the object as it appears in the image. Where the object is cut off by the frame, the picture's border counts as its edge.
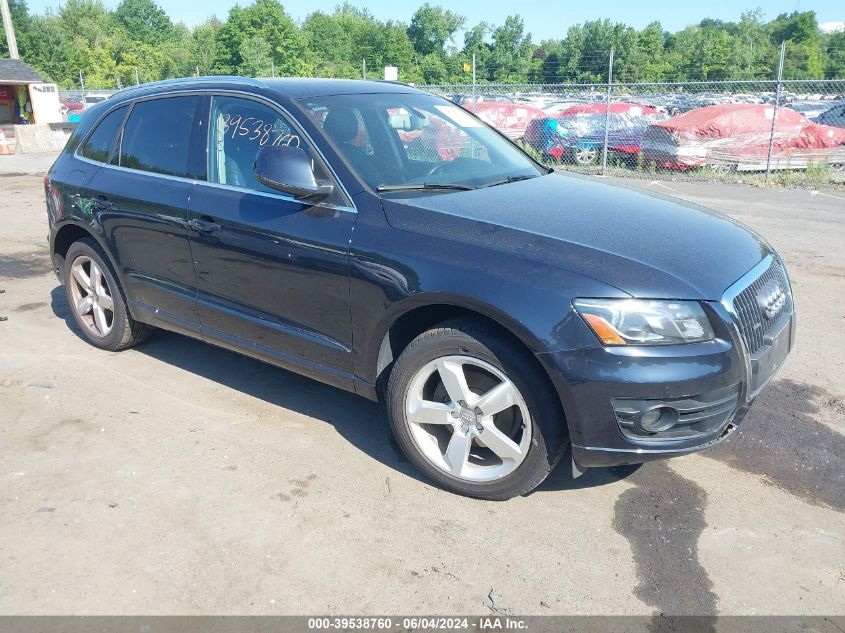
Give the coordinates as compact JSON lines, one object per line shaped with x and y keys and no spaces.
{"x":650,"y":58}
{"x":804,"y":53}
{"x":431,"y":27}
{"x":550,"y":68}
{"x":144,"y":21}
{"x":204,"y":45}
{"x":835,"y":47}
{"x":433,"y":69}
{"x":754,"y":55}
{"x":256,"y":57}
{"x":47,"y":50}
{"x":267,"y":20}
{"x":329,"y":46}
{"x":511,"y":49}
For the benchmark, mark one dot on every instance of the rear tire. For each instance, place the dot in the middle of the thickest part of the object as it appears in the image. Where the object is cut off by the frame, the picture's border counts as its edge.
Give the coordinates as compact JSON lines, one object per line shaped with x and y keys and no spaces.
{"x":96,"y":299}
{"x":585,"y":156}
{"x":472,"y":411}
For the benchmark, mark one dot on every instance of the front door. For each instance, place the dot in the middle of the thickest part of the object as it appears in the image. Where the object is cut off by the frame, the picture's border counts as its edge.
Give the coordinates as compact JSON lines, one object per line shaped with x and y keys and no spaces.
{"x":272,"y":271}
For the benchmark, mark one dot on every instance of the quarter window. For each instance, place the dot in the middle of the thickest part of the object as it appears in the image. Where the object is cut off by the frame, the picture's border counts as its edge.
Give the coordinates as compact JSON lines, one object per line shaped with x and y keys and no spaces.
{"x":239,"y":128}
{"x":101,"y":142}
{"x":157,"y":136}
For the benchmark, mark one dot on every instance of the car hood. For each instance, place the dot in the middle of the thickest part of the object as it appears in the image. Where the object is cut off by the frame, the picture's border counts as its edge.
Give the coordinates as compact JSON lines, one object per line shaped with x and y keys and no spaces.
{"x":644,"y":244}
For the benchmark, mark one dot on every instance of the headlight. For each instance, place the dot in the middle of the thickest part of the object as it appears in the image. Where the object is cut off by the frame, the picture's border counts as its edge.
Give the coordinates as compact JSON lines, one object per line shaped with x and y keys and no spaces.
{"x":645,"y":322}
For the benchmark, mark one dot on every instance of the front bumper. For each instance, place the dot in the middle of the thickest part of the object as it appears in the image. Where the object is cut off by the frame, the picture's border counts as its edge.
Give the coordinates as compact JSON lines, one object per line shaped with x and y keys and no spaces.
{"x":592,"y":456}
{"x":710,"y":387}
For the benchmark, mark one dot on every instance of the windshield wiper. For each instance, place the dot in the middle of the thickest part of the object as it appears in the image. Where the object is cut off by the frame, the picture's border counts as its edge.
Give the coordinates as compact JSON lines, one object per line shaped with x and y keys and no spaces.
{"x":420,"y":186}
{"x":504,"y":181}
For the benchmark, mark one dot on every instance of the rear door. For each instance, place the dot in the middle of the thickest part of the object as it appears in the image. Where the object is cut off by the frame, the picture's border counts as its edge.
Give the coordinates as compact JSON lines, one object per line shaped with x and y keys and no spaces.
{"x":272,"y":271}
{"x":140,"y":200}
{"x":69,"y":177}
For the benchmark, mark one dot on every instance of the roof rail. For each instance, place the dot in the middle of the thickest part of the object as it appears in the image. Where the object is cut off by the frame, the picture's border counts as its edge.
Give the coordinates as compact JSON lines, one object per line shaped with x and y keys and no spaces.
{"x":165,"y":83}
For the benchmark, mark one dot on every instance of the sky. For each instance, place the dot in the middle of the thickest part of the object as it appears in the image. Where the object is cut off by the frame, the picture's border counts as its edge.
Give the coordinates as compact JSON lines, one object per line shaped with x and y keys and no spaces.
{"x":543,"y":18}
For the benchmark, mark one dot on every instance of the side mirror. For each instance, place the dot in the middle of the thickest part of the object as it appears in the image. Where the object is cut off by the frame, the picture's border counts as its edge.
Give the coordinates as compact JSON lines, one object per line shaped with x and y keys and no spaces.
{"x":289,"y":169}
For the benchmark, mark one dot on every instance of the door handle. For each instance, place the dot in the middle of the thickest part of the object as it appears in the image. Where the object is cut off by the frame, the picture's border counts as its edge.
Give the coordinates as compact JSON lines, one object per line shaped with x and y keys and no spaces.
{"x":204,"y":224}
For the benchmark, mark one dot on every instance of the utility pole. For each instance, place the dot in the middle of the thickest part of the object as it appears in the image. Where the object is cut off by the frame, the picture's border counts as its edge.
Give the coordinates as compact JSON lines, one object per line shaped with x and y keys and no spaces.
{"x":137,"y":81}
{"x":775,"y":111}
{"x":10,"y":29}
{"x":607,"y":112}
{"x":473,"y":83}
{"x":364,"y":68}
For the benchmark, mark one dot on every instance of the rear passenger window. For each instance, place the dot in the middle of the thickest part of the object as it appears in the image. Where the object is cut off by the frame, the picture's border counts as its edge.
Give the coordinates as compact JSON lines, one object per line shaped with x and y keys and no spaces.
{"x":157,"y":136}
{"x":103,"y":139}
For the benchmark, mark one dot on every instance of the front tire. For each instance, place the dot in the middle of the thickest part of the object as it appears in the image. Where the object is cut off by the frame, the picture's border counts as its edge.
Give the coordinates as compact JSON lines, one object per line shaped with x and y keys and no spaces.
{"x":96,"y":299}
{"x":471,"y":410}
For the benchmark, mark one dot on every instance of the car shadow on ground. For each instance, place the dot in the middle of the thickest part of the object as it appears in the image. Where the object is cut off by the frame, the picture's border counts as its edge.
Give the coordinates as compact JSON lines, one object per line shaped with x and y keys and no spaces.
{"x":361,"y":422}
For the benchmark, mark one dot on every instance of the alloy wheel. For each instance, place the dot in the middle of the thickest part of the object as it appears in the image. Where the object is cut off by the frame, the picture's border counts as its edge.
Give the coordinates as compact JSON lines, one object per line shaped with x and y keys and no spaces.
{"x":468,"y":418}
{"x":92,"y":298}
{"x":586,"y":155}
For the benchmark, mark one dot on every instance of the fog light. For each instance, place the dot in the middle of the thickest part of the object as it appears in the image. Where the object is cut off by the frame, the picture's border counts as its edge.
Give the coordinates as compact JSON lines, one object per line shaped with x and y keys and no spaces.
{"x":657,"y":419}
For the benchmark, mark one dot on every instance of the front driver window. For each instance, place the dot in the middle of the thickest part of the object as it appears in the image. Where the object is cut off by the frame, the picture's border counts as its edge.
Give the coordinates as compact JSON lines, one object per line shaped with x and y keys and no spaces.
{"x":239,"y":128}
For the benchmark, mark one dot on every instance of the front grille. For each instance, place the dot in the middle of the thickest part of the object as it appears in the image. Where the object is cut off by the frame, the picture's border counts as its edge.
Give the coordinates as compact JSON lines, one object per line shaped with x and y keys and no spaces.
{"x":754,"y":325}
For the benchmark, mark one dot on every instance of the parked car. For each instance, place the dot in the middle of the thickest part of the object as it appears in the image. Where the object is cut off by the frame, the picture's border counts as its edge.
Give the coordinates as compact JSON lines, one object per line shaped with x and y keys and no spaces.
{"x":835,"y":116}
{"x":736,"y":137}
{"x":73,"y":104}
{"x":93,"y":98}
{"x":810,"y":109}
{"x":511,"y":119}
{"x":500,"y":310}
{"x":577,"y":134}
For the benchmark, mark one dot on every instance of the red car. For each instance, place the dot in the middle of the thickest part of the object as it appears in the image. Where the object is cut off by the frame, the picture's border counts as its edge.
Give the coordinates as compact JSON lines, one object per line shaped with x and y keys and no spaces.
{"x":736,"y":137}
{"x":511,"y":119}
{"x":72,"y":103}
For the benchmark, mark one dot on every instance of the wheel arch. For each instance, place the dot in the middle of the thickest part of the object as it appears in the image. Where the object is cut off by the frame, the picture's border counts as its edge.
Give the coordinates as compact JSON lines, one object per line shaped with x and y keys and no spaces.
{"x":67,"y":234}
{"x":415,"y":319}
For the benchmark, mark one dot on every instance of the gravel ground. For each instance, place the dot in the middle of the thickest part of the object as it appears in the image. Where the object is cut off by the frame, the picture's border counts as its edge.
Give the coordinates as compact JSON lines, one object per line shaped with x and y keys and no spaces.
{"x":177,"y":478}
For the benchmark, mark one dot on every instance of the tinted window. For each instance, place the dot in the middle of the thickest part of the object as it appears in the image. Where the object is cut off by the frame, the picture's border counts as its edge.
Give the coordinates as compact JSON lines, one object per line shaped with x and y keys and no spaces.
{"x":157,"y":136}
{"x":101,"y":142}
{"x":239,"y":128}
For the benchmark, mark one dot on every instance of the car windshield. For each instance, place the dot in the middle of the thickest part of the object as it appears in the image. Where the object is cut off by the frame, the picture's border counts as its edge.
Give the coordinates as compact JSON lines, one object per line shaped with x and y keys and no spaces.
{"x":403,"y":142}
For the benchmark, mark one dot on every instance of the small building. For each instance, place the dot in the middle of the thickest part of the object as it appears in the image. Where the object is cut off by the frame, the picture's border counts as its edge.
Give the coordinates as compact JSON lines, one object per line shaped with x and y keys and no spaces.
{"x":15,"y":101}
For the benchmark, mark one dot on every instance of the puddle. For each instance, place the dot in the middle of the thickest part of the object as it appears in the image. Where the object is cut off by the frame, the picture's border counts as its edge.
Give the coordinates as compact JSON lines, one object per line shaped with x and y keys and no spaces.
{"x":662,"y":517}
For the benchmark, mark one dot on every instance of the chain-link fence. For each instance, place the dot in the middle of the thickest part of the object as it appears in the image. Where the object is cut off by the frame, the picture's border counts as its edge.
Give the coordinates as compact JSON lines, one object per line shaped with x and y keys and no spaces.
{"x":792,"y":130}
{"x":789,"y":130}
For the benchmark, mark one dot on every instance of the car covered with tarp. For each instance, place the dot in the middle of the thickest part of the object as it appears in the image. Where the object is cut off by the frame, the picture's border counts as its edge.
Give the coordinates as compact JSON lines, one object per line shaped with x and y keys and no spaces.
{"x":511,"y":119}
{"x":737,"y":137}
{"x":578,"y":132}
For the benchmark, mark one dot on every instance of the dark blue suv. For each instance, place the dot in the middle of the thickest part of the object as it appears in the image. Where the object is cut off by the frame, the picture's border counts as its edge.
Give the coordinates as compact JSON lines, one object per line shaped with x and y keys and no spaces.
{"x":387,"y":242}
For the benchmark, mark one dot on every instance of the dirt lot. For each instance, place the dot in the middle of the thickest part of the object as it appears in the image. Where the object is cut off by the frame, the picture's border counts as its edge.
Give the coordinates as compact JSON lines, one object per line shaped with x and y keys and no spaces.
{"x":177,"y":478}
